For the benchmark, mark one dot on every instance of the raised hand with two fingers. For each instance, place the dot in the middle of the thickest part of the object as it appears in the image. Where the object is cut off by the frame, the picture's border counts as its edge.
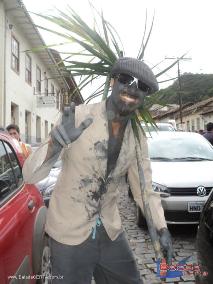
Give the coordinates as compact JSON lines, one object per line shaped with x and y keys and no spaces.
{"x":66,"y":132}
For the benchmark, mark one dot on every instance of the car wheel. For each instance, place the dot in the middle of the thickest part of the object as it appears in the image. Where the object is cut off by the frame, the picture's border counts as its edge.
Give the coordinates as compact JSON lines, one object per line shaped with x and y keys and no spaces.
{"x":140,"y":219}
{"x":46,"y":267}
{"x":38,"y":239}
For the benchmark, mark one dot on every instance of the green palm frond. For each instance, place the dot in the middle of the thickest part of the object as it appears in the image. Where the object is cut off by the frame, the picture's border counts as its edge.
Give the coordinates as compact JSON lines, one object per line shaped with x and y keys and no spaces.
{"x":99,"y":47}
{"x":145,"y":42}
{"x":104,"y":49}
{"x":98,"y":92}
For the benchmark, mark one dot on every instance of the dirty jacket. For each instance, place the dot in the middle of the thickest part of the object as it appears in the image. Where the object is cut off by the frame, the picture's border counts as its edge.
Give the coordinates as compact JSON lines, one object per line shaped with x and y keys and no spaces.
{"x":82,"y":193}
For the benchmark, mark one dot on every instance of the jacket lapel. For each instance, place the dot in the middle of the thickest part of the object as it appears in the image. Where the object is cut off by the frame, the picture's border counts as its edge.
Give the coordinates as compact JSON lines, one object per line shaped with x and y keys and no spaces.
{"x":126,"y":153}
{"x":100,"y":137}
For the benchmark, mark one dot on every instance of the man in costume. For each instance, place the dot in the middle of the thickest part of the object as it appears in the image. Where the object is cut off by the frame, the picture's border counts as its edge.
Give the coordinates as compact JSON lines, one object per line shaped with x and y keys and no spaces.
{"x":97,"y":146}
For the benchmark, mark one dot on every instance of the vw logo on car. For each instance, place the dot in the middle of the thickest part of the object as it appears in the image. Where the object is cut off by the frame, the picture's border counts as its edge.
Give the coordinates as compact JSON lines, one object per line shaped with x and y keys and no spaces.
{"x":201,"y":191}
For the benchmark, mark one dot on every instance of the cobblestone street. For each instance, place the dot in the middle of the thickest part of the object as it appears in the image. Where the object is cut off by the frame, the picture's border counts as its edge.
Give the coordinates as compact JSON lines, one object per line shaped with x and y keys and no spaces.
{"x":183,"y":243}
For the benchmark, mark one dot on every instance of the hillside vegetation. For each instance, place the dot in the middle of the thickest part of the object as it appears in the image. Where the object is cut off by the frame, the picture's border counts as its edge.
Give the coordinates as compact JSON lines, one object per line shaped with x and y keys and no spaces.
{"x":195,"y":88}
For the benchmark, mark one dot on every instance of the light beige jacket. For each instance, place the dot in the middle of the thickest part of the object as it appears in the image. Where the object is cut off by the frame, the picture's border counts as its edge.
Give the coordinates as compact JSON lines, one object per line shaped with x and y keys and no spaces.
{"x":76,"y":201}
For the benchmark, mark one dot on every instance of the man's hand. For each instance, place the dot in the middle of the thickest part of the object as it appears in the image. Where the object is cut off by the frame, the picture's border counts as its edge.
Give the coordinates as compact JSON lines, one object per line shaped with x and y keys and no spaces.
{"x":166,"y":244}
{"x":66,"y":132}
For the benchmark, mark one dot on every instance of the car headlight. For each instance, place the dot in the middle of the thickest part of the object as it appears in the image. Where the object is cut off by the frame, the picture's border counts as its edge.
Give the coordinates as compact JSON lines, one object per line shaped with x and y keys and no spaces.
{"x":159,"y":188}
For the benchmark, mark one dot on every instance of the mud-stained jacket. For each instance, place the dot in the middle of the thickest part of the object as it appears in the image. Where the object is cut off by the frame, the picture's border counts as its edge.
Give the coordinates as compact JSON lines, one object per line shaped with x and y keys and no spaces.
{"x":82,"y":193}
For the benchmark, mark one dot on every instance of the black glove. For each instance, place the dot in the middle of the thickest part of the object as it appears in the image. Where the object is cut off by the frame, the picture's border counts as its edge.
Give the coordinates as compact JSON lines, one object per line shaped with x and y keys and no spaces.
{"x":66,"y":132}
{"x":166,"y":244}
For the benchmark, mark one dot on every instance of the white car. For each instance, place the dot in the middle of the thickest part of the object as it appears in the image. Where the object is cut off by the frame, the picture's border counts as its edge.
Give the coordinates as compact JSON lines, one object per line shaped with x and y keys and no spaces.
{"x":182,"y":164}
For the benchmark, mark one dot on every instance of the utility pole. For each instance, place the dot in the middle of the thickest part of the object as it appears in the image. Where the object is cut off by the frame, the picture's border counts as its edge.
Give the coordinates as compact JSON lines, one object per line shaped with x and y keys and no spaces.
{"x":179,"y":84}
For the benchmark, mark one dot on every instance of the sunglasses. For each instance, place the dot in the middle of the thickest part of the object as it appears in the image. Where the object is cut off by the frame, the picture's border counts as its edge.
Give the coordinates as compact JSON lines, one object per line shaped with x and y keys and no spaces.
{"x":129,"y":80}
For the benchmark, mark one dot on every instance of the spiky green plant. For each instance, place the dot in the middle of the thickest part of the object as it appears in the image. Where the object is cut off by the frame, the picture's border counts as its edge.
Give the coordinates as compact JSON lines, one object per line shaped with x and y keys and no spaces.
{"x":99,"y":47}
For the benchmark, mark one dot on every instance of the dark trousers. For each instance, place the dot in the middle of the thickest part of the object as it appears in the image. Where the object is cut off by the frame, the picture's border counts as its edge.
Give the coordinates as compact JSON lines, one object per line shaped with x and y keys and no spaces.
{"x":110,"y":262}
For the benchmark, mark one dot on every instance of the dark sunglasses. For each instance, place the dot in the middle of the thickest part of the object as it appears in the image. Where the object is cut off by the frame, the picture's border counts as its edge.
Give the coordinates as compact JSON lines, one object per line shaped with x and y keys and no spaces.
{"x":129,"y":80}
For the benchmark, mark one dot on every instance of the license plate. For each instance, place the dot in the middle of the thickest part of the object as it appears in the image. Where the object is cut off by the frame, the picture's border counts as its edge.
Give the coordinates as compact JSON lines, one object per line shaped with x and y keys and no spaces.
{"x":195,"y":206}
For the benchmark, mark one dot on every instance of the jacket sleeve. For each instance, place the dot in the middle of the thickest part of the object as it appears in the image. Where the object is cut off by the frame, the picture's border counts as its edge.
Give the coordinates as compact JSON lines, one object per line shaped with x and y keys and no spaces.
{"x":154,"y":198}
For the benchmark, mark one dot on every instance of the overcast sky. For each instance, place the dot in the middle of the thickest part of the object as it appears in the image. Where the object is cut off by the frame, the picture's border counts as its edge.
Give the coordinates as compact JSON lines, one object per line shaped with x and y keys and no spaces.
{"x":180,"y":26}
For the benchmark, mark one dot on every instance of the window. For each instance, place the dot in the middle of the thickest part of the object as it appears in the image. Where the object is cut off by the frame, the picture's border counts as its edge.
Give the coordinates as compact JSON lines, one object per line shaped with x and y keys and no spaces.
{"x":179,"y":147}
{"x":58,"y":99}
{"x":38,"y":79}
{"x":38,"y":129}
{"x":10,"y":171}
{"x":192,"y":125}
{"x":45,"y":84}
{"x":28,"y":69}
{"x":15,"y":54}
{"x":188,"y":125}
{"x":46,"y":128}
{"x":27,"y":126}
{"x":14,"y":113}
{"x":52,"y":90}
{"x":198,"y":123}
{"x":15,"y":165}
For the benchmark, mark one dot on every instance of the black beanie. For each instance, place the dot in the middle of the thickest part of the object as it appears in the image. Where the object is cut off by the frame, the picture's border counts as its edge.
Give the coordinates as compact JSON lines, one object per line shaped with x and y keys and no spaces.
{"x":137,"y":69}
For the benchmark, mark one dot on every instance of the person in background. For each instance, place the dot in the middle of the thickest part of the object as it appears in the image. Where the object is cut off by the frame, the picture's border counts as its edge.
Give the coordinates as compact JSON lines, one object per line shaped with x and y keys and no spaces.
{"x":14,"y":131}
{"x":201,"y":131}
{"x":209,"y":133}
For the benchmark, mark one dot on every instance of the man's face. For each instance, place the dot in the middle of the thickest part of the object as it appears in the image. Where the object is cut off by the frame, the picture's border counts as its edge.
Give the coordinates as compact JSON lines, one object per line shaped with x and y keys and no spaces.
{"x":127,"y":94}
{"x":13,"y":132}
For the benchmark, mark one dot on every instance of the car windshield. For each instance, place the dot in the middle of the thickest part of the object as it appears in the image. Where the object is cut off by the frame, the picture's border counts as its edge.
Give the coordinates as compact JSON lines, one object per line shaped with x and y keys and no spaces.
{"x":191,"y":148}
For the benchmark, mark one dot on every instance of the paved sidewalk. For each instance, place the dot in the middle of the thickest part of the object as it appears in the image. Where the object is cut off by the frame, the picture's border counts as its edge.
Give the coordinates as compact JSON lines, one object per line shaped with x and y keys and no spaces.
{"x":183,"y":243}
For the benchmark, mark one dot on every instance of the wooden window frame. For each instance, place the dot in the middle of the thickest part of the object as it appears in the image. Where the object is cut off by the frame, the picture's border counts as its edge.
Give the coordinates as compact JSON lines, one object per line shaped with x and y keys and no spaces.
{"x":58,"y":99}
{"x":52,"y":89}
{"x":28,"y":69}
{"x":38,"y":82}
{"x":14,"y":56}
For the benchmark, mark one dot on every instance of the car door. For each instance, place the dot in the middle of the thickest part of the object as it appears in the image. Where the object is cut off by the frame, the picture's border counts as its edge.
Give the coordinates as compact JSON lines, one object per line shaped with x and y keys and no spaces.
{"x":17,"y":214}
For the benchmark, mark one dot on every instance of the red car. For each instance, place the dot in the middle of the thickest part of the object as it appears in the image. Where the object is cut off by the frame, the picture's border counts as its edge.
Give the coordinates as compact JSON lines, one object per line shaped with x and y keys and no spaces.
{"x":22,"y":218}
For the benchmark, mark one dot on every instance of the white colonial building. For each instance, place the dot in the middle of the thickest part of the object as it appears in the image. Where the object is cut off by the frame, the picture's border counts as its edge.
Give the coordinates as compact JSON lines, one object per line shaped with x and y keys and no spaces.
{"x":32,"y":87}
{"x":195,"y":116}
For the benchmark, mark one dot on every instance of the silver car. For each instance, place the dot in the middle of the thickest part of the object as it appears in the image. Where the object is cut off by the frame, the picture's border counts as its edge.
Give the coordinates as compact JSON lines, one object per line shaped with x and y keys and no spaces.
{"x":161,"y":126}
{"x":46,"y":186}
{"x":182,"y":164}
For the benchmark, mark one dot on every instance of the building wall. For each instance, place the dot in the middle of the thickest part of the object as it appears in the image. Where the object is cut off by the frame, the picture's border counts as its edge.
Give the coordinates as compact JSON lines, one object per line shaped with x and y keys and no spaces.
{"x":191,"y":122}
{"x":21,"y":95}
